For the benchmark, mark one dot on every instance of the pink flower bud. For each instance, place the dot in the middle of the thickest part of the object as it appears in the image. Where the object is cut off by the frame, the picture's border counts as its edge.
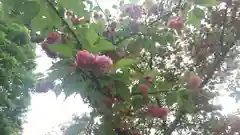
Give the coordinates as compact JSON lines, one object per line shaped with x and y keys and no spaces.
{"x":159,"y":112}
{"x":194,"y":81}
{"x":69,"y":13}
{"x":177,"y":23}
{"x":149,"y":79}
{"x":144,"y":88}
{"x":84,"y":59}
{"x":54,"y":37}
{"x":103,"y":63}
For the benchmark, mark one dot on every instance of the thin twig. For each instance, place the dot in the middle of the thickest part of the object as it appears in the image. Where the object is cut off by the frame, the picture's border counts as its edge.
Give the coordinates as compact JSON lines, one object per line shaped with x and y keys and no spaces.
{"x":153,"y":93}
{"x":108,"y":23}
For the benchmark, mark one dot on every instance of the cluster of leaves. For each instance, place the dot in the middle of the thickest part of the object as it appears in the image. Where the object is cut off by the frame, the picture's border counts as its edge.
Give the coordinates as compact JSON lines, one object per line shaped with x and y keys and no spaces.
{"x":156,"y":48}
{"x":17,"y":57}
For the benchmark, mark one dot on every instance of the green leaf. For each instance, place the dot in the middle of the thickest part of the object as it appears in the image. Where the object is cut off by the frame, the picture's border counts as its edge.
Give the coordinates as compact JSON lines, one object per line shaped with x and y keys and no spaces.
{"x":8,"y":5}
{"x":188,"y":106}
{"x":101,"y":46}
{"x":64,"y":49}
{"x":91,"y":35}
{"x":96,"y":96}
{"x":119,"y":106}
{"x":76,"y":6}
{"x":148,"y":44}
{"x":213,"y":123}
{"x":99,"y":26}
{"x":11,"y":2}
{"x":124,"y":93}
{"x":42,"y":22}
{"x":165,"y":85}
{"x":61,"y":63}
{"x":185,"y":101}
{"x":161,"y":39}
{"x":134,"y":47}
{"x":1,"y":14}
{"x":57,"y":72}
{"x":198,"y":12}
{"x":137,"y":101}
{"x":81,"y":33}
{"x":107,"y":127}
{"x":195,"y":16}
{"x":24,"y":7}
{"x":55,"y":19}
{"x":73,"y":84}
{"x":151,"y":73}
{"x":97,"y":8}
{"x":229,"y":36}
{"x":206,"y":2}
{"x":124,"y":63}
{"x":171,"y":98}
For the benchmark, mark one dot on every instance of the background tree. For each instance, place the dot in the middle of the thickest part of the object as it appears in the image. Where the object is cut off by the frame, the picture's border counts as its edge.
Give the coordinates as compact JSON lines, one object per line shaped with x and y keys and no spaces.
{"x":153,"y":68}
{"x":17,"y":57}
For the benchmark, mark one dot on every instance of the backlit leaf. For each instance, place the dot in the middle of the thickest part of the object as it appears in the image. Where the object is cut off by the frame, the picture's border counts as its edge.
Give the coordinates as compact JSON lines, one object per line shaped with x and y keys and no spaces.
{"x":91,"y":36}
{"x":64,"y":49}
{"x":206,"y":2}
{"x":101,"y":46}
{"x":124,"y":63}
{"x":195,"y":16}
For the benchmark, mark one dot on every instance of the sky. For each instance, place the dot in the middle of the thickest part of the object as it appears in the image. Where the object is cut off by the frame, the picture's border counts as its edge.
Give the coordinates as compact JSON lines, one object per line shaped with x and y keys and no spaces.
{"x":47,"y":111}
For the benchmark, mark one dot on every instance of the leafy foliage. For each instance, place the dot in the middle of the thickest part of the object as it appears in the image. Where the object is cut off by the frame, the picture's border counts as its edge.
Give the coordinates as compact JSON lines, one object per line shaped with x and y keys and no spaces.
{"x":153,"y":60}
{"x":17,"y":57}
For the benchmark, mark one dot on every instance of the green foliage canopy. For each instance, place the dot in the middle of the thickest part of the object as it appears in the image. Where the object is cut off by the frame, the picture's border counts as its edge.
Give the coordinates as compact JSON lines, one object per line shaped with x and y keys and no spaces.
{"x":199,"y":39}
{"x":17,"y":57}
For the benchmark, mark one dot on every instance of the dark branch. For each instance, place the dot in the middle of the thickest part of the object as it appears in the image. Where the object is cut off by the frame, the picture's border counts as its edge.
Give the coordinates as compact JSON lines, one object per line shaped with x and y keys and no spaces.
{"x":216,"y":65}
{"x":174,"y":124}
{"x":153,"y":93}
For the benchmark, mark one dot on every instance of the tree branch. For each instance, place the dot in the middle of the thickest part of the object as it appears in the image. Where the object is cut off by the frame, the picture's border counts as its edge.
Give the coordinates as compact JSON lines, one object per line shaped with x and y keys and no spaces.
{"x":216,"y":65}
{"x":153,"y":93}
{"x":174,"y":124}
{"x":225,"y":50}
{"x":79,"y":45}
